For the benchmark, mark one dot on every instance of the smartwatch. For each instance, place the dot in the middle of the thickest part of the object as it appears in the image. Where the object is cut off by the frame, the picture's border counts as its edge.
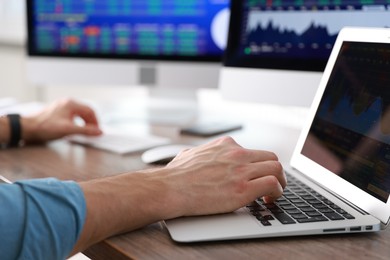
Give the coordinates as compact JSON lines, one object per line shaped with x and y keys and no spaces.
{"x":15,"y":130}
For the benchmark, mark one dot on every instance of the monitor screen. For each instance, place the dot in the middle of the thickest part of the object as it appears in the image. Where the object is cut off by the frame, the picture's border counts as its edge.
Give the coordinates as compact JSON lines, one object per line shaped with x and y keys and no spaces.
{"x":295,"y":35}
{"x":277,"y":49}
{"x":150,"y":30}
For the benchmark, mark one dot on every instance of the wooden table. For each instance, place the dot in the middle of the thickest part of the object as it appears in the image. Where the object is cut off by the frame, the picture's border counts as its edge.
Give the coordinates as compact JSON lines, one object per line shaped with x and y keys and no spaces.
{"x":66,"y":161}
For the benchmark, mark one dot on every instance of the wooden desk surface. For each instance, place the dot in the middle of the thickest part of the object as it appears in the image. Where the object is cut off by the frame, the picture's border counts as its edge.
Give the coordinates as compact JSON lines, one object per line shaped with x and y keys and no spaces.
{"x":65,"y":161}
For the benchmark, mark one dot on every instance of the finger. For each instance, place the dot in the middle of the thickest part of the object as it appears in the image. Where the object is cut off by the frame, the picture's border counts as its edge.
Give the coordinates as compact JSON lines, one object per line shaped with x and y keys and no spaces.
{"x":267,"y":168}
{"x":85,"y":112}
{"x":261,"y":155}
{"x":267,"y":187}
{"x":84,"y":130}
{"x":92,"y":130}
{"x":268,"y":199}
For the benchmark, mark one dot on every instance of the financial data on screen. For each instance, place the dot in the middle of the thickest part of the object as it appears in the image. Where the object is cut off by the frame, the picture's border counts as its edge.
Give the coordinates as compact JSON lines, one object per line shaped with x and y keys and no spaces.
{"x":122,"y":28}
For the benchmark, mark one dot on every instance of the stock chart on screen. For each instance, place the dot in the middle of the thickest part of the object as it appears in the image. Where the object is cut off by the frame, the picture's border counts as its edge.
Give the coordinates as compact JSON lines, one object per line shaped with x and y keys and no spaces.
{"x":304,"y":29}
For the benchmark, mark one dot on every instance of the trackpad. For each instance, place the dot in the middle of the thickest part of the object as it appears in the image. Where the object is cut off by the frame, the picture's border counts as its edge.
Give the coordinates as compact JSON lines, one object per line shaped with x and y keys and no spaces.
{"x":214,"y":227}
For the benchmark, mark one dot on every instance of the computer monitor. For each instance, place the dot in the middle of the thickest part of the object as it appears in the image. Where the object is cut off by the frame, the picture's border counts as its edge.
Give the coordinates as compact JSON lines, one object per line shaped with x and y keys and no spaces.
{"x":277,"y":50}
{"x":126,"y":42}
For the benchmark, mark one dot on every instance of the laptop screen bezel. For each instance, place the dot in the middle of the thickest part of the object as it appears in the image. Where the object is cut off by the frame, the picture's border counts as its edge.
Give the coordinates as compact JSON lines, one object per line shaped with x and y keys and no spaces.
{"x":316,"y":172}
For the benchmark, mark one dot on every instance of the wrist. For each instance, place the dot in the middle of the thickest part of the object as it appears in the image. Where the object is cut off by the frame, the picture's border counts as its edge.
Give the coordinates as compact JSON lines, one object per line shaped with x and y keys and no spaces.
{"x":28,"y":128}
{"x":4,"y":131}
{"x":165,"y":194}
{"x":120,"y":204}
{"x":151,"y":193}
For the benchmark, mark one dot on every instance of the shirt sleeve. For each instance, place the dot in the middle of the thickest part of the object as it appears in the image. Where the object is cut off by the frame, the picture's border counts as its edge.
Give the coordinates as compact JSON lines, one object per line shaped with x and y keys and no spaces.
{"x":40,"y":219}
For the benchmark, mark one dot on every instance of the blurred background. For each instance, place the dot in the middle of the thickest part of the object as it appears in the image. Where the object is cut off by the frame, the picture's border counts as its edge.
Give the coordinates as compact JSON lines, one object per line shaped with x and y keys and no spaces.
{"x":12,"y":50}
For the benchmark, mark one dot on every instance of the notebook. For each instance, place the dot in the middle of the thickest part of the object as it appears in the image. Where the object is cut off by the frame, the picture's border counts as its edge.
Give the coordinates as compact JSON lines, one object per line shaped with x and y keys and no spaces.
{"x":342,"y":156}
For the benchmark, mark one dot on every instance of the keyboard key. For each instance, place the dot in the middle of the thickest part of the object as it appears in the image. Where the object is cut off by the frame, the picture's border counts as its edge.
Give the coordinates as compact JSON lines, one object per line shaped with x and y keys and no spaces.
{"x":299,"y":216}
{"x":308,"y":197}
{"x":293,"y":211}
{"x":284,"y":218}
{"x":320,"y":206}
{"x":256,"y":213}
{"x":333,"y":216}
{"x":313,"y":201}
{"x":328,"y":202}
{"x":313,"y":219}
{"x":301,"y":205}
{"x":313,"y":214}
{"x":288,"y":207}
{"x":341,"y":211}
{"x":348,"y":216}
{"x":295,"y":201}
{"x":307,"y":209}
{"x":265,"y":222}
{"x":282,"y":200}
{"x":326,"y":210}
{"x":303,"y":193}
{"x":273,"y":208}
{"x":291,"y":196}
{"x":334,"y":206}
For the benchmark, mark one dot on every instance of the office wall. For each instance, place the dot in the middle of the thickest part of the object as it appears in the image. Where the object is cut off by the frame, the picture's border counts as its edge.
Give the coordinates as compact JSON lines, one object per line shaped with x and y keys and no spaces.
{"x":12,"y":73}
{"x":14,"y":83}
{"x":12,"y":21}
{"x":12,"y":40}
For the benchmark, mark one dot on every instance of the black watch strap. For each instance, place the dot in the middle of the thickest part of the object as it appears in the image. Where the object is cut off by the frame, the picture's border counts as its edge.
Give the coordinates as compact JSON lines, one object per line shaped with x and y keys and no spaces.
{"x":15,"y":130}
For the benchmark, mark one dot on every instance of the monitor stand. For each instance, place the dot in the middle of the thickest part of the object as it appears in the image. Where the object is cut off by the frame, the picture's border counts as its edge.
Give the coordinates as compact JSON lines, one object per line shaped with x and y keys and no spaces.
{"x":172,"y":89}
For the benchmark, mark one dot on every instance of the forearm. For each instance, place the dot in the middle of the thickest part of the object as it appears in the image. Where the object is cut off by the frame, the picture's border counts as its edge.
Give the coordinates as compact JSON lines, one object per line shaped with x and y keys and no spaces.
{"x":123,"y":203}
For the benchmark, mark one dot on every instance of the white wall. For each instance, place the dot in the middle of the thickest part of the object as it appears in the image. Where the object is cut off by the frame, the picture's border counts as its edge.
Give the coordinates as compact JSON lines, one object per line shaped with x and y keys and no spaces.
{"x":12,"y":73}
{"x":12,"y":21}
{"x":13,"y":80}
{"x":12,"y":50}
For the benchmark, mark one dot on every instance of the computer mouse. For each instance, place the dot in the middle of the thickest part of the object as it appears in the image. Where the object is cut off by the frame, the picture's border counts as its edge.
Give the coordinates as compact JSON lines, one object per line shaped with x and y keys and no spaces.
{"x":163,"y":154}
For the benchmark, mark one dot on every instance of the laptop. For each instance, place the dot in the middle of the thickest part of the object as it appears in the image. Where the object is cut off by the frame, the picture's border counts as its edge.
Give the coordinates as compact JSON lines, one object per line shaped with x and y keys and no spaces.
{"x":339,"y":173}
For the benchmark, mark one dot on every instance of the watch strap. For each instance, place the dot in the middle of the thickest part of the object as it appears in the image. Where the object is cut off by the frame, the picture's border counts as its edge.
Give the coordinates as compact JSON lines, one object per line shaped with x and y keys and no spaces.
{"x":15,"y":130}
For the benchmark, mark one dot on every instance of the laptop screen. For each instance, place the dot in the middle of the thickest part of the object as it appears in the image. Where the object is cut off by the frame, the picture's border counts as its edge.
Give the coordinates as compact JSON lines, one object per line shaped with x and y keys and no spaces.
{"x":350,"y":134}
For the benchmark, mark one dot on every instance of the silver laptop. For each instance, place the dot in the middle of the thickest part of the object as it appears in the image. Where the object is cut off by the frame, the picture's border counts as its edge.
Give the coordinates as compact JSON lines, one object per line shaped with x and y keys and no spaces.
{"x":339,"y":174}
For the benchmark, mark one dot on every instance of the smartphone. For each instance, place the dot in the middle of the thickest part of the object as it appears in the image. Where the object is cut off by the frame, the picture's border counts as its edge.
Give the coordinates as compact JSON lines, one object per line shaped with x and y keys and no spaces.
{"x":210,"y":128}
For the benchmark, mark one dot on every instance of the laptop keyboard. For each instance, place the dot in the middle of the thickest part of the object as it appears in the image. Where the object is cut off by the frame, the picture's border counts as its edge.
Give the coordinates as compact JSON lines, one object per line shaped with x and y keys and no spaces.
{"x":299,"y":204}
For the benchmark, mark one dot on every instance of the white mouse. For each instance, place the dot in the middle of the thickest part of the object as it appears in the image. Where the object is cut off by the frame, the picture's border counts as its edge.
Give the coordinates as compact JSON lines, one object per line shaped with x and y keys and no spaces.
{"x":163,"y":154}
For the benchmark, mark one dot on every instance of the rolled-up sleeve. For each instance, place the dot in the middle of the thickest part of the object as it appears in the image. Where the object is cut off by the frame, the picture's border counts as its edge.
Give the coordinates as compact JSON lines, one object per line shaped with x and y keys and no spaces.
{"x":40,"y":219}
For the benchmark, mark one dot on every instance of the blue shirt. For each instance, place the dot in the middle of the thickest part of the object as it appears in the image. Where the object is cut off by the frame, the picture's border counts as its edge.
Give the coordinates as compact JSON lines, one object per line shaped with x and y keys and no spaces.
{"x":40,"y":219}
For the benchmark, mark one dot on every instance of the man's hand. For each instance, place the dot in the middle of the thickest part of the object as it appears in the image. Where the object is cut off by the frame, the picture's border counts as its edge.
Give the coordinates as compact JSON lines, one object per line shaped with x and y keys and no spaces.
{"x":57,"y":120}
{"x":221,"y":176}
